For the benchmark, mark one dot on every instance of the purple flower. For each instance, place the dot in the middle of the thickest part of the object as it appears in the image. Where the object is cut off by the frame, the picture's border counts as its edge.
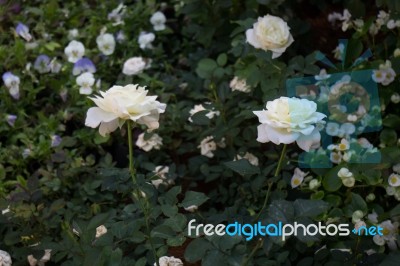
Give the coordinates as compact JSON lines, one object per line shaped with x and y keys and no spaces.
{"x":23,"y":31}
{"x":11,"y":119}
{"x":83,"y":65}
{"x":42,"y":64}
{"x":55,"y":140}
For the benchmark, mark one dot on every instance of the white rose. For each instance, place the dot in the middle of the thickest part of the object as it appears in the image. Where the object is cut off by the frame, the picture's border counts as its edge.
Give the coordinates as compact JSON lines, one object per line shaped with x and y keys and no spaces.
{"x":74,"y":51}
{"x":158,"y":20}
{"x":207,"y":146}
{"x":237,"y":84}
{"x":191,"y":208}
{"x":85,"y":81}
{"x":287,"y":120}
{"x":270,"y":33}
{"x":145,"y":39}
{"x":122,"y":103}
{"x":154,"y":142}
{"x":134,"y":66}
{"x":106,"y":43}
{"x":169,"y":261}
{"x":5,"y":258}
{"x":100,"y":230}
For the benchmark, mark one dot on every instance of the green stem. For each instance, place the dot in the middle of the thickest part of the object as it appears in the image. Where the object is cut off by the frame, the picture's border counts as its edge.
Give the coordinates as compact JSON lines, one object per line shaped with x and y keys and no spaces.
{"x":270,"y":184}
{"x":132,"y":172}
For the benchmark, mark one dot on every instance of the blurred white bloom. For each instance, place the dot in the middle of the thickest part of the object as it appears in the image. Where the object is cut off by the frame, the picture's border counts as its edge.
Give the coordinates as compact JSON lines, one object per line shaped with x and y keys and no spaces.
{"x":23,"y":31}
{"x":333,"y":17}
{"x":42,"y":64}
{"x":100,"y":230}
{"x":338,"y":51}
{"x":287,"y":120}
{"x":207,"y":146}
{"x":348,"y":182}
{"x":396,"y":168}
{"x":161,"y":172}
{"x":198,"y":108}
{"x":361,"y":225}
{"x":390,"y":232}
{"x":370,"y":197}
{"x":357,"y":216}
{"x":169,"y":261}
{"x":158,"y":20}
{"x":385,"y":74}
{"x":336,"y":157}
{"x":106,"y":43}
{"x":145,"y":39}
{"x":191,"y":208}
{"x":121,"y":37}
{"x":45,"y":258}
{"x":5,"y":258}
{"x":395,"y":98}
{"x":154,"y":142}
{"x":390,"y":191}
{"x":134,"y":66}
{"x":26,"y":153}
{"x":373,"y":217}
{"x":85,"y":81}
{"x":332,"y":129}
{"x":343,"y":145}
{"x":11,"y":119}
{"x":55,"y":66}
{"x":314,"y":184}
{"x":74,"y":51}
{"x":358,"y":23}
{"x":322,"y":75}
{"x":396,"y":52}
{"x":394,"y":180}
{"x":382,"y":19}
{"x":344,"y":173}
{"x":270,"y":33}
{"x":117,"y":14}
{"x":249,"y":157}
{"x":297,"y":178}
{"x":346,"y":130}
{"x":373,"y":29}
{"x":12,"y":83}
{"x":73,"y":34}
{"x":237,"y":84}
{"x":64,"y":95}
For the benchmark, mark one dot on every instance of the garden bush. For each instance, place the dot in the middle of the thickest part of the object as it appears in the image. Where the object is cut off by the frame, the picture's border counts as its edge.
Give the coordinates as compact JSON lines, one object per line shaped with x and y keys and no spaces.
{"x":124,"y":123}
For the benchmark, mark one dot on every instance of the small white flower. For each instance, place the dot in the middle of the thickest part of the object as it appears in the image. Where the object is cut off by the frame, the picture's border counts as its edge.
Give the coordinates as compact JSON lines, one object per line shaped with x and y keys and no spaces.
{"x":391,"y":24}
{"x":344,"y":145}
{"x":117,"y":14}
{"x":322,"y":75}
{"x":346,"y":130}
{"x":85,"y":81}
{"x":314,"y":184}
{"x":198,"y":108}
{"x":106,"y":43}
{"x":45,"y":258}
{"x":207,"y":146}
{"x":396,"y":168}
{"x":73,"y":34}
{"x":161,"y":172}
{"x":396,"y":52}
{"x":357,"y":216}
{"x":390,"y":191}
{"x":26,"y":153}
{"x":394,"y":180}
{"x":145,"y":39}
{"x":169,"y":261}
{"x":154,"y":142}
{"x":237,"y":84}
{"x":249,"y":157}
{"x":12,"y":83}
{"x":385,"y":75}
{"x":23,"y":31}
{"x":395,"y":98}
{"x":100,"y":230}
{"x":158,"y":20}
{"x":336,"y":157}
{"x":373,"y":217}
{"x":348,"y":182}
{"x":5,"y":258}
{"x":191,"y":208}
{"x":378,"y":240}
{"x":332,"y":128}
{"x":370,"y":197}
{"x":55,"y":66}
{"x":74,"y":51}
{"x":338,"y":52}
{"x":134,"y":66}
{"x":297,"y":178}
{"x":344,"y":173}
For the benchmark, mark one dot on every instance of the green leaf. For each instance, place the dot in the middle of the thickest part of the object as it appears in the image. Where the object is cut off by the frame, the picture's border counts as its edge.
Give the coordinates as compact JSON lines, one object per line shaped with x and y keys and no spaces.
{"x":222,"y":59}
{"x":243,"y":167}
{"x":197,"y":249}
{"x":309,"y":208}
{"x":193,"y":198}
{"x":391,"y":259}
{"x":388,"y":137}
{"x":281,"y":211}
{"x":200,"y":118}
{"x":392,"y":121}
{"x":331,"y":182}
{"x":100,"y":219}
{"x":206,"y":67}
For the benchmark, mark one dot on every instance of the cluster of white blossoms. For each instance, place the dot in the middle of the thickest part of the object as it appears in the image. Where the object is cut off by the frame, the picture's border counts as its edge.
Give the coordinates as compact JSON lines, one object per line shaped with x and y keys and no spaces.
{"x":238,"y":84}
{"x":208,"y":146}
{"x":119,"y":104}
{"x":393,"y":186}
{"x":160,"y":172}
{"x":199,"y":108}
{"x":270,"y":33}
{"x":385,"y":74}
{"x":135,"y":65}
{"x":287,"y":120}
{"x":347,"y":177}
{"x":153,"y":142}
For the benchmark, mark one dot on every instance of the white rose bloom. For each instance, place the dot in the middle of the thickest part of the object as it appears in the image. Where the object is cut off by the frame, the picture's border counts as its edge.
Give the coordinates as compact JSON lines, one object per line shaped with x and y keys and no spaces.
{"x":297,"y":178}
{"x":134,"y":66}
{"x":270,"y":33}
{"x":237,"y":84}
{"x":5,"y":258}
{"x":74,"y":51}
{"x":145,"y":39}
{"x":154,"y":142}
{"x":100,"y":230}
{"x":161,"y":171}
{"x":394,"y":180}
{"x":85,"y":81}
{"x":287,"y":120}
{"x":106,"y":43}
{"x":191,"y":208}
{"x":249,"y":157}
{"x":122,"y":103}
{"x":207,"y":146}
{"x":169,"y":261}
{"x":73,"y":34}
{"x":158,"y":20}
